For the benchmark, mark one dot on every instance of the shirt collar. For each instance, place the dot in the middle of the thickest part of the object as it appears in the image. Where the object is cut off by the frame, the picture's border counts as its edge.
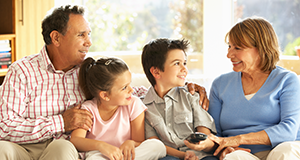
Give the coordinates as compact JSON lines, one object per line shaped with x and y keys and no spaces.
{"x":152,"y":96}
{"x":49,"y":65}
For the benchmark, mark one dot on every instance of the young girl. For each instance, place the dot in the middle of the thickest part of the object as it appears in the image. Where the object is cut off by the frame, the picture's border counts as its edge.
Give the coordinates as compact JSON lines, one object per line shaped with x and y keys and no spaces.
{"x":118,"y":124}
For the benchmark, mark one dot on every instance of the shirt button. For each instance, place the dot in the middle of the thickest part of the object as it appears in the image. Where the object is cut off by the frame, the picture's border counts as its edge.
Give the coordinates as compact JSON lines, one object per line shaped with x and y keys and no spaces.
{"x":169,"y":124}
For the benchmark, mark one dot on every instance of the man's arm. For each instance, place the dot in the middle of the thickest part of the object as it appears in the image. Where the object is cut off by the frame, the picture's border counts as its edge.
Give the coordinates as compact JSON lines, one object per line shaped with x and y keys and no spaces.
{"x":21,"y":121}
{"x":14,"y":125}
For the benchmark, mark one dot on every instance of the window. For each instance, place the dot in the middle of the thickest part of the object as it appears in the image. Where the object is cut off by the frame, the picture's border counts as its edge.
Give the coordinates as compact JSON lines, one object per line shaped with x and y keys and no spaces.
{"x":122,"y":27}
{"x":284,"y":15}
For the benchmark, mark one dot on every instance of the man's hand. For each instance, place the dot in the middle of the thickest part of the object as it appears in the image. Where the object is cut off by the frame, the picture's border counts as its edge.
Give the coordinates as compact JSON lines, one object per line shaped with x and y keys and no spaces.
{"x":77,"y":118}
{"x":204,"y":102}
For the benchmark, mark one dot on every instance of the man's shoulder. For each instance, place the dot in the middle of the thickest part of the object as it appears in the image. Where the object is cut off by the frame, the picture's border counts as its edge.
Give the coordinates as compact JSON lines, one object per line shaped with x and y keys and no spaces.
{"x":31,"y":59}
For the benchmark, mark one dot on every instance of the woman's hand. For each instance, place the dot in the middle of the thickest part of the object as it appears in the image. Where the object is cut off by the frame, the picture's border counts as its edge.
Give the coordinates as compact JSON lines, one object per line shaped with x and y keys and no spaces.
{"x":190,"y":155}
{"x":128,"y":149}
{"x":225,"y":142}
{"x":193,"y":87}
{"x":110,"y":151}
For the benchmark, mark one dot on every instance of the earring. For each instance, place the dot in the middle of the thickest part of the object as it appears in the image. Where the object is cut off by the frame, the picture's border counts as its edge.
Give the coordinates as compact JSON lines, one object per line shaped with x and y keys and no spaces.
{"x":107,"y":99}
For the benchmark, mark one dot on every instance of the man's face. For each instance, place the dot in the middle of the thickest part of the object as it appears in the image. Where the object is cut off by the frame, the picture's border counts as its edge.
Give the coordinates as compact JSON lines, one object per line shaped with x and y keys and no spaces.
{"x":75,"y":44}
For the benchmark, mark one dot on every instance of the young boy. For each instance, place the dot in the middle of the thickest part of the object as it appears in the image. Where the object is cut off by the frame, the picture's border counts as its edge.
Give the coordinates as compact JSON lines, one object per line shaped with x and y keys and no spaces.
{"x":173,"y":113}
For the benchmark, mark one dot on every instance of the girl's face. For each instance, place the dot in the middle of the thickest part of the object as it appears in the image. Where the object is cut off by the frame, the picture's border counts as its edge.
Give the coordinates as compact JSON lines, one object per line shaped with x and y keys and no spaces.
{"x":244,"y":60}
{"x":175,"y":70}
{"x":121,"y":91}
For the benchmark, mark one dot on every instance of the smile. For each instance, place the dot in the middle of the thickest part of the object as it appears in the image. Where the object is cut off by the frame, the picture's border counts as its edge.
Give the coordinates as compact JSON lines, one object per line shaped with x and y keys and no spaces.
{"x":236,"y":62}
{"x":129,"y":98}
{"x":181,"y":77}
{"x":83,"y":52}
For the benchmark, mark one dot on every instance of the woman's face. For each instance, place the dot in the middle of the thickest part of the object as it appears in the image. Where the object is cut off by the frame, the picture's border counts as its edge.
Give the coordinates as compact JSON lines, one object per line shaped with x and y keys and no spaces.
{"x":244,"y":60}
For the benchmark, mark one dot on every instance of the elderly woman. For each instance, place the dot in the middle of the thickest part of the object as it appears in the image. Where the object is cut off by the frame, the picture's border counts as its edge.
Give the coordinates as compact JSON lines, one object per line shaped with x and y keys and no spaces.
{"x":257,"y":106}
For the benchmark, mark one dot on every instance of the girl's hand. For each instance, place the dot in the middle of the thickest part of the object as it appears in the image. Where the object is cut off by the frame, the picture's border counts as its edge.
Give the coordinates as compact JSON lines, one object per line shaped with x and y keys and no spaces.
{"x":128,"y":150}
{"x":110,"y":151}
{"x":225,"y":142}
{"x":190,"y":155}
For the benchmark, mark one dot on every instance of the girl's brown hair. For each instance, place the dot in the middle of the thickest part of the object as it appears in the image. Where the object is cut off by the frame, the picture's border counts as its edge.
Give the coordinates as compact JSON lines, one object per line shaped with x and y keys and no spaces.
{"x":96,"y":76}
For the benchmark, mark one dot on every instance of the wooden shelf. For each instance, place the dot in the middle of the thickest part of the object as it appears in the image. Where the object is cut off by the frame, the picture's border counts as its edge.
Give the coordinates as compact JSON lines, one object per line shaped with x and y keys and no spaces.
{"x":7,"y":29}
{"x":3,"y":72}
{"x":7,"y":36}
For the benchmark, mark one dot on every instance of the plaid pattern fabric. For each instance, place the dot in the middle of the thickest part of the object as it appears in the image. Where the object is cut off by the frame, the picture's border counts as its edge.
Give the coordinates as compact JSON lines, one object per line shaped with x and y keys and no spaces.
{"x":33,"y":97}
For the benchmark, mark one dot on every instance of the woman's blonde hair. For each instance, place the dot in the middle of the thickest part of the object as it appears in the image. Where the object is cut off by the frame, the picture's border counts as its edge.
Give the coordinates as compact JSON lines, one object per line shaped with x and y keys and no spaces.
{"x":259,"y":33}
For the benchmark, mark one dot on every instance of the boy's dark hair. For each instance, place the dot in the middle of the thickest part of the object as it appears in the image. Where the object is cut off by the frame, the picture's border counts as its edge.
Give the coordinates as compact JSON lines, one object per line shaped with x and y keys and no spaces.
{"x":155,"y":54}
{"x":58,"y":20}
{"x":96,"y":76}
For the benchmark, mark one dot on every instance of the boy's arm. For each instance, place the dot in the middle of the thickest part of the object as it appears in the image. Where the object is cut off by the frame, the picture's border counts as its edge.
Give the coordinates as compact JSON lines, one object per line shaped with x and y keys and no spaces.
{"x":172,"y":151}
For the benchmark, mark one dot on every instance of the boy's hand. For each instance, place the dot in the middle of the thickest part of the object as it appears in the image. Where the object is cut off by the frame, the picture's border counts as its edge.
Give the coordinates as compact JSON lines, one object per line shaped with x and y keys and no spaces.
{"x":128,"y":150}
{"x":205,"y":145}
{"x":190,"y":155}
{"x":193,"y":87}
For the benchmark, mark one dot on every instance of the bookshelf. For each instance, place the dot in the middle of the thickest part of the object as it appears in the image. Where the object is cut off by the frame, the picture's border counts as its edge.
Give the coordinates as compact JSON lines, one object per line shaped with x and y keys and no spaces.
{"x":7,"y":29}
{"x":12,"y":39}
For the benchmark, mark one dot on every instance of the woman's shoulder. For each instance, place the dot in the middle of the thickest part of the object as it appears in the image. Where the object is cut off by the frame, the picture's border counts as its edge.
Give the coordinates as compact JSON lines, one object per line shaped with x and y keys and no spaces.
{"x":282,"y":73}
{"x":227,"y":77}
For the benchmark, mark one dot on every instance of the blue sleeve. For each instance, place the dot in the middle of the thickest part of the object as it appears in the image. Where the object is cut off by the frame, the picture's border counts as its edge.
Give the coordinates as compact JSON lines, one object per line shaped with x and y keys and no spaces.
{"x":289,"y":99}
{"x":215,"y":106}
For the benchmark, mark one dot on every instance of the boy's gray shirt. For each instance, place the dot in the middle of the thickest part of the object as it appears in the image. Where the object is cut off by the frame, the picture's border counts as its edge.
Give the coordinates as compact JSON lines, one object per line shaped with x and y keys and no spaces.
{"x":175,"y":117}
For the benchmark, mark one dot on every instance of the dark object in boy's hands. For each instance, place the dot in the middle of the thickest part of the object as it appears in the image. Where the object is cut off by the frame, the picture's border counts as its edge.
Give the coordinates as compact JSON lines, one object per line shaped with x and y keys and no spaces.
{"x":196,"y":137}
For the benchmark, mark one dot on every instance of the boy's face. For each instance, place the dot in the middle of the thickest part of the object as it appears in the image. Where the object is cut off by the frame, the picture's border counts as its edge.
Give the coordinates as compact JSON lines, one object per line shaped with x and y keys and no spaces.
{"x":175,"y":70}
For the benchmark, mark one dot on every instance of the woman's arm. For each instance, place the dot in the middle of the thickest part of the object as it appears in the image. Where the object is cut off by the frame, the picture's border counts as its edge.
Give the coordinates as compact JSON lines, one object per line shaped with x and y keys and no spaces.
{"x":257,"y":138}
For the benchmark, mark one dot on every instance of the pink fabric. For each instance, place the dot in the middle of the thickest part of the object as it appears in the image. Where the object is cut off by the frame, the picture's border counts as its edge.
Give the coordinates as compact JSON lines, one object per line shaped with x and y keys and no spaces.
{"x":116,"y":130}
